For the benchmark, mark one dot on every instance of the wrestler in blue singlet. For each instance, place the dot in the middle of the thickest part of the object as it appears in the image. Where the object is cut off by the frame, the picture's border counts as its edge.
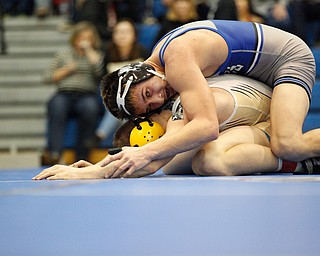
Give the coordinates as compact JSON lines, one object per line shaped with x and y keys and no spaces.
{"x":277,"y":58}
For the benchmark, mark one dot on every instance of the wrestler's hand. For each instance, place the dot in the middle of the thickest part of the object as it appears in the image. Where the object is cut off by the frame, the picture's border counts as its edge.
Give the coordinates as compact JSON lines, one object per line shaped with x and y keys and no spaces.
{"x":130,"y":160}
{"x":64,"y":172}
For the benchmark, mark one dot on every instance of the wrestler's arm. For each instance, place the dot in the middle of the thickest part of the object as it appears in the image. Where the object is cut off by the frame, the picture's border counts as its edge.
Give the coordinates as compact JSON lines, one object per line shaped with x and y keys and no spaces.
{"x":188,"y":59}
{"x":184,"y":74}
{"x":154,"y":166}
{"x":122,"y":137}
{"x":86,"y":170}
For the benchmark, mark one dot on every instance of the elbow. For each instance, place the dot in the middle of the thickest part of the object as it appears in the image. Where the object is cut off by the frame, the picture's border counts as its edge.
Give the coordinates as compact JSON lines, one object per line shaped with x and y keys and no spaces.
{"x":211,"y":132}
{"x":206,"y":130}
{"x":210,"y":127}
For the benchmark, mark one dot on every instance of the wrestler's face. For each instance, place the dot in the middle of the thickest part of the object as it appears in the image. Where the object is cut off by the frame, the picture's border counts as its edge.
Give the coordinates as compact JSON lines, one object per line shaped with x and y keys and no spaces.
{"x":151,"y":94}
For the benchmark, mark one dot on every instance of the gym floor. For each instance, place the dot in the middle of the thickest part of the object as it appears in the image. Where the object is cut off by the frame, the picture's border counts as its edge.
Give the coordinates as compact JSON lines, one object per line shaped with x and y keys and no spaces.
{"x":160,"y":215}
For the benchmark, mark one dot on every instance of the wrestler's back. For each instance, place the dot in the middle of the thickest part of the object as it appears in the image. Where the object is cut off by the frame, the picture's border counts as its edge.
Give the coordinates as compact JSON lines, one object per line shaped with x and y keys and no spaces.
{"x":200,"y":41}
{"x":254,"y":50}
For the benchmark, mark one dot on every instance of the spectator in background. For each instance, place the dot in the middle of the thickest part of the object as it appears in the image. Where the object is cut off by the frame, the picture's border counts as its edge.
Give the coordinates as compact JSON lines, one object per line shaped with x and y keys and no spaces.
{"x":179,"y":13}
{"x":131,"y":9}
{"x":76,"y":72}
{"x":306,"y":20}
{"x":42,"y":8}
{"x":123,"y":49}
{"x":236,"y":10}
{"x":18,"y":7}
{"x":93,"y":11}
{"x":274,"y":12}
{"x":160,"y":8}
{"x":157,"y":9}
{"x":61,"y":7}
{"x":203,"y":9}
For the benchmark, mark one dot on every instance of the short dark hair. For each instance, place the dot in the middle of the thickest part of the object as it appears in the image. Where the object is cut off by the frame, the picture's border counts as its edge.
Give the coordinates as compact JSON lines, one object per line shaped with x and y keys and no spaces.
{"x":122,"y":135}
{"x":121,"y":103}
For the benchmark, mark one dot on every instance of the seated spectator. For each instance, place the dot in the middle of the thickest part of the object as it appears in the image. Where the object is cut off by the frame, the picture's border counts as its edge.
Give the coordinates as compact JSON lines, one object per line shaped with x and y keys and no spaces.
{"x":61,"y":7}
{"x":236,"y":10}
{"x":18,"y":7}
{"x":160,"y":8}
{"x":203,"y":9}
{"x":93,"y":11}
{"x":157,"y":9}
{"x":42,"y":8}
{"x":131,"y":9}
{"x":179,"y":13}
{"x":76,"y":72}
{"x":122,"y":49}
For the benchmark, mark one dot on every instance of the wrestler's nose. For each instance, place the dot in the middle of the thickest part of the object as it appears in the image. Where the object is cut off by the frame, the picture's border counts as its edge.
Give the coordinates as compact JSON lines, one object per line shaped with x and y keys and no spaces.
{"x":157,"y":101}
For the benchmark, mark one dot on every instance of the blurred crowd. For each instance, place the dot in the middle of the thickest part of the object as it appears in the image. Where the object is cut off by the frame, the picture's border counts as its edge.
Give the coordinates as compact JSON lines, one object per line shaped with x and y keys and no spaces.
{"x":104,"y":37}
{"x":300,"y":17}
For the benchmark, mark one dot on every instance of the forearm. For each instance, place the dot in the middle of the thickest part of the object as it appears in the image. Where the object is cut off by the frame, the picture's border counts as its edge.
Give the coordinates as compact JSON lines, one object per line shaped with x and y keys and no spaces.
{"x":154,"y":166}
{"x":149,"y":169}
{"x":58,"y":74}
{"x":62,"y":73}
{"x":192,"y":135}
{"x":61,"y":66}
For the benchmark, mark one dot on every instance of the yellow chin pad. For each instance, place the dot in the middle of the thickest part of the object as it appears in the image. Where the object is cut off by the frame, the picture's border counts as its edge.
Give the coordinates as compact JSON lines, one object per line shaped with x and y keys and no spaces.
{"x":146,"y":132}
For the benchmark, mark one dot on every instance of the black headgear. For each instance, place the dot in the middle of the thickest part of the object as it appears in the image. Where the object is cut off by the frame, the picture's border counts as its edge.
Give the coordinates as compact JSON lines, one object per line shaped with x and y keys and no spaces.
{"x":131,"y":74}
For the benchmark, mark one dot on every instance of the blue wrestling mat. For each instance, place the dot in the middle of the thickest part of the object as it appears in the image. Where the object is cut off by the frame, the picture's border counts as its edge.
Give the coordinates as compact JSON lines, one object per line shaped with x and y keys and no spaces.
{"x":160,"y":215}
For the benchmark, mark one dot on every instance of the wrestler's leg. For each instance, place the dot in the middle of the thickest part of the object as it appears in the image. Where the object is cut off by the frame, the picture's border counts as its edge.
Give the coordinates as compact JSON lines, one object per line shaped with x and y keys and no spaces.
{"x":180,"y":164}
{"x":289,"y":107}
{"x":238,"y":151}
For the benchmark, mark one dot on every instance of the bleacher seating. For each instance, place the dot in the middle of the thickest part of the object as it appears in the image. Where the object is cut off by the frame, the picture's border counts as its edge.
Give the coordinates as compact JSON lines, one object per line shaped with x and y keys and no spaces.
{"x":31,"y":44}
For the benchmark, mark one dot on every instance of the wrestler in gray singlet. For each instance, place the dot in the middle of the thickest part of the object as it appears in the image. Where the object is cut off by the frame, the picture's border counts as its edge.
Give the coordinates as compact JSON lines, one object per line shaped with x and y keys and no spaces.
{"x":251,"y":101}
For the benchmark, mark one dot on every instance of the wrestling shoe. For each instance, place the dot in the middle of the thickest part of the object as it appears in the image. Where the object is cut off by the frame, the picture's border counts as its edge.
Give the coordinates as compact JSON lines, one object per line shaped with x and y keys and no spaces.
{"x":310,"y":166}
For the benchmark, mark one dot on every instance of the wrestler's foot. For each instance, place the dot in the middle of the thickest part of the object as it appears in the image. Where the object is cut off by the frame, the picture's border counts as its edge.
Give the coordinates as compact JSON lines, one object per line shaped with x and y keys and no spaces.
{"x":310,"y":166}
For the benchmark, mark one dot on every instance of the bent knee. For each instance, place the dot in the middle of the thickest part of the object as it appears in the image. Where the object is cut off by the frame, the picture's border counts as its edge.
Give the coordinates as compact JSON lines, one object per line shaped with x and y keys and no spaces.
{"x":203,"y":165}
{"x":288,"y":148}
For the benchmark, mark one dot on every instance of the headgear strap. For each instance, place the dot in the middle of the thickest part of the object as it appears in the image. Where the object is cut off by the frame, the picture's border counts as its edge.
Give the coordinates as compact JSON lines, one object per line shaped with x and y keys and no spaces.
{"x":121,"y":98}
{"x":137,"y":72}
